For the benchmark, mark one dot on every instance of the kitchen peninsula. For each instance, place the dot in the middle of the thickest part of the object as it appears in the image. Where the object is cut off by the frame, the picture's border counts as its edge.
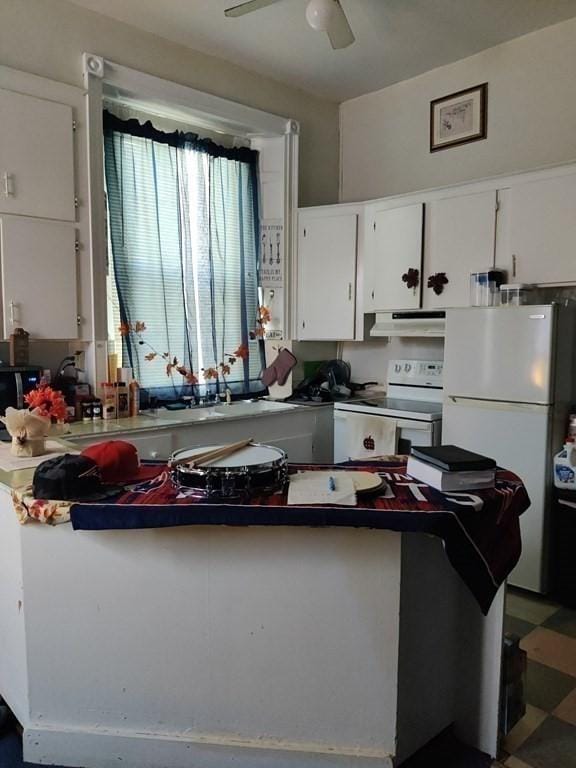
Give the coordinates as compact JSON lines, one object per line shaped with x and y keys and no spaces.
{"x":270,"y":644}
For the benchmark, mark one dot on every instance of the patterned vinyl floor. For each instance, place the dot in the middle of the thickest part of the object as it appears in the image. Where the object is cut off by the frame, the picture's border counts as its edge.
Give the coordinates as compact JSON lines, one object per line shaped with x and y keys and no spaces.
{"x":546,"y":735}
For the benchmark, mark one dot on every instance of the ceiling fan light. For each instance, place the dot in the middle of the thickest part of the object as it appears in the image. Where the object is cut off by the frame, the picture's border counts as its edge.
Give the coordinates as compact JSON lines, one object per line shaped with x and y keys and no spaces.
{"x":319,"y":14}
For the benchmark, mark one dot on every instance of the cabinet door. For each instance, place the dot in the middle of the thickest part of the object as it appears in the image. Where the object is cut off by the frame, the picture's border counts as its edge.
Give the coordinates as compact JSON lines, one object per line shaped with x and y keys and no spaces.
{"x":459,"y":239}
{"x":327,"y":276}
{"x":396,"y":249}
{"x":36,"y":157}
{"x":541,"y":219}
{"x":39,"y":291}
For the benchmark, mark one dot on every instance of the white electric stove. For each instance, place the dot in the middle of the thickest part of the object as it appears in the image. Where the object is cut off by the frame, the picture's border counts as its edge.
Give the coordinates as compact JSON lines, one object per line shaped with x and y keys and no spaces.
{"x":413,"y":399}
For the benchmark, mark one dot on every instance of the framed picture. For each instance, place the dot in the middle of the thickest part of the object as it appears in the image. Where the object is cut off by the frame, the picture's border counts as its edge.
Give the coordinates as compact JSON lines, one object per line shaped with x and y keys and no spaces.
{"x":458,"y":118}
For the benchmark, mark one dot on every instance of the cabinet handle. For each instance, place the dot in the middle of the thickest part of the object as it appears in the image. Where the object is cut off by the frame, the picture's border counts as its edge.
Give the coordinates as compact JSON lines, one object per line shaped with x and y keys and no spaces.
{"x":513,"y":265}
{"x":349,"y":291}
{"x":372,"y":294}
{"x":8,"y":180}
{"x":12,"y":306}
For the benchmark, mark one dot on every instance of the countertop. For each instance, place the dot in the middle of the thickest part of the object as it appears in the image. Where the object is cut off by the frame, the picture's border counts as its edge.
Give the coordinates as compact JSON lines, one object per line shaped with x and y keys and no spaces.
{"x":166,"y":419}
{"x":162,"y":419}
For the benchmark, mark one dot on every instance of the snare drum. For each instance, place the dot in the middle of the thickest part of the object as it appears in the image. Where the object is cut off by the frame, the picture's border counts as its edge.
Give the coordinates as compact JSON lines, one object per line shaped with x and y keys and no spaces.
{"x":256,"y":468}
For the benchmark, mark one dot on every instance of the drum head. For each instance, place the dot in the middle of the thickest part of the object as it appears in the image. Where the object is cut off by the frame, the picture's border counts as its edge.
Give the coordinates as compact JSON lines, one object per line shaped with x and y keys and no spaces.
{"x":251,"y":455}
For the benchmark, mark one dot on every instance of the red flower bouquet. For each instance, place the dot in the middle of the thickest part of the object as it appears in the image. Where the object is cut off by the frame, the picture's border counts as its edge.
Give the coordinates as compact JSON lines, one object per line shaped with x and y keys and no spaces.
{"x":47,"y":402}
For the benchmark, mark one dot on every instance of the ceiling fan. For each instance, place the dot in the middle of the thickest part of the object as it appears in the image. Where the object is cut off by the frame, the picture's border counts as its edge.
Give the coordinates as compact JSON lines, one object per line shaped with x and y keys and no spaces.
{"x":322,"y":15}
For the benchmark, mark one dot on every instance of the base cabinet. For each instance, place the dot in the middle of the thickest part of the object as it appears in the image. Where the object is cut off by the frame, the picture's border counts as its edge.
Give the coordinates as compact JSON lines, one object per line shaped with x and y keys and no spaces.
{"x":304,"y":434}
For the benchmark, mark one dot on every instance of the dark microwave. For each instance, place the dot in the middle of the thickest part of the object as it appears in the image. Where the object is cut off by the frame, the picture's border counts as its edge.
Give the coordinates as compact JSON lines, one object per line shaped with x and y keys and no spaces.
{"x":15,"y":382}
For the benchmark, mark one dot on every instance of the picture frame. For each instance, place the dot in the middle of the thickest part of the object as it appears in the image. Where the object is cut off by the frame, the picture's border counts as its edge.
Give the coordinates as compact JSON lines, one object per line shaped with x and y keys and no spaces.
{"x":459,"y":118}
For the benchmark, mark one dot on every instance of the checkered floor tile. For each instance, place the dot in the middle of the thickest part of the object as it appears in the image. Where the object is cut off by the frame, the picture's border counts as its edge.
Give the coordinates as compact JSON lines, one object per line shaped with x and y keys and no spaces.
{"x":546,"y":735}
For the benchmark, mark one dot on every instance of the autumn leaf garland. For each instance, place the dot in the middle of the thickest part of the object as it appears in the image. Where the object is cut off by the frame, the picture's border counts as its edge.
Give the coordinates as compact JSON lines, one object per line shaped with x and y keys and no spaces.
{"x":223,"y":368}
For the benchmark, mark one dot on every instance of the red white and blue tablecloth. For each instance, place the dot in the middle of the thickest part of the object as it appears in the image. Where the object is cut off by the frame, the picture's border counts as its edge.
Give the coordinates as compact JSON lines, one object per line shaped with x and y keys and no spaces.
{"x":480,"y":529}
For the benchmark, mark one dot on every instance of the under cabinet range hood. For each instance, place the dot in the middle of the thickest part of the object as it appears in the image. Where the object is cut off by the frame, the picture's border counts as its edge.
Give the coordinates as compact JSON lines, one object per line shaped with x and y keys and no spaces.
{"x":410,"y":323}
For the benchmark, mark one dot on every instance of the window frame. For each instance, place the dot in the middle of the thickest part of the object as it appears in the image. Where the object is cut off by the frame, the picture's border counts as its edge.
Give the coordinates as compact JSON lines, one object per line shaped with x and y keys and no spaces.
{"x":105,"y":79}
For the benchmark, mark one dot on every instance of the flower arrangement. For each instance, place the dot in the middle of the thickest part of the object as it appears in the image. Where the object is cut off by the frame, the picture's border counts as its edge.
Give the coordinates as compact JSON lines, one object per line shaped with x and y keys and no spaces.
{"x":47,"y":402}
{"x":222,"y":369}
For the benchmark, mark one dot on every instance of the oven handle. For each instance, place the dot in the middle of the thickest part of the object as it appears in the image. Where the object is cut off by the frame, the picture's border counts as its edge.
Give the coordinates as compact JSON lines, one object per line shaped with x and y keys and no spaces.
{"x":422,"y":426}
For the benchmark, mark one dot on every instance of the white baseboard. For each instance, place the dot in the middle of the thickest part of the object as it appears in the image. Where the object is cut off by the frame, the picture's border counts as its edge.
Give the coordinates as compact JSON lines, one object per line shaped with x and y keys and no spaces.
{"x":110,"y":749}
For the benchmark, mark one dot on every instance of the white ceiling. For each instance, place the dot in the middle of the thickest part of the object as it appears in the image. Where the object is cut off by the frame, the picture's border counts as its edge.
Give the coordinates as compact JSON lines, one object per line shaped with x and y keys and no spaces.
{"x":395,"y":39}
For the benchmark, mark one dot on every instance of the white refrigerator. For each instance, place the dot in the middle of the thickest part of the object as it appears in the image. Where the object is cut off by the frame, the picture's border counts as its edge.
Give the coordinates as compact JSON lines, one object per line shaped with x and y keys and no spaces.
{"x":508,"y":387}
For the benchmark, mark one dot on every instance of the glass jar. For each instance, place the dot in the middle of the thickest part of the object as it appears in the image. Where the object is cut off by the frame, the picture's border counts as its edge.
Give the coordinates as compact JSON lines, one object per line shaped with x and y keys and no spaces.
{"x":515,"y":294}
{"x":484,"y":288}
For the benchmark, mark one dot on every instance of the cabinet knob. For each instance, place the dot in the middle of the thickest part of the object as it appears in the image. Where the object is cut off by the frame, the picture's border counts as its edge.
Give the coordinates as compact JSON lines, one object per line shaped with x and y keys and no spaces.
{"x":153,"y":454}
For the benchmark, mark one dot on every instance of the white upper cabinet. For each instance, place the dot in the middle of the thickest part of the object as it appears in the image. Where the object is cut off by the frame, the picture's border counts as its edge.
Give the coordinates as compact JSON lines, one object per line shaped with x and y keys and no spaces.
{"x":538,"y":244}
{"x":39,"y":291}
{"x":326,"y":288}
{"x":36,"y":157}
{"x":459,"y":239}
{"x":394,"y":258}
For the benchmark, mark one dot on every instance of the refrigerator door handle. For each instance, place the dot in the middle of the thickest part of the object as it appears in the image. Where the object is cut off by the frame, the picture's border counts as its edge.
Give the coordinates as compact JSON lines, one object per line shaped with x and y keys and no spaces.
{"x":498,"y":405}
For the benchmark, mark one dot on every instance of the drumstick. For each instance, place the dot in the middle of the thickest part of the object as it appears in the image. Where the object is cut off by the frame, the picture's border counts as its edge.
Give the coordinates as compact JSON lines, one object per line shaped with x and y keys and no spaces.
{"x":213,"y":454}
{"x":218,"y":453}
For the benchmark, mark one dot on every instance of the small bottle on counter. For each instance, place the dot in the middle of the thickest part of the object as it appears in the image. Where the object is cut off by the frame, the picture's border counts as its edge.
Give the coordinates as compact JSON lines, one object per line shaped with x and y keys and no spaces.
{"x":96,"y":409}
{"x":123,"y":409}
{"x":108,"y":400}
{"x":134,"y":398}
{"x":86,"y":410}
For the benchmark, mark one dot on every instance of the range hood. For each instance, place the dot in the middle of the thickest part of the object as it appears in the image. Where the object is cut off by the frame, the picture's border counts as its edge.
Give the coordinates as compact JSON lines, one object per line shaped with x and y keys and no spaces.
{"x":410,"y":323}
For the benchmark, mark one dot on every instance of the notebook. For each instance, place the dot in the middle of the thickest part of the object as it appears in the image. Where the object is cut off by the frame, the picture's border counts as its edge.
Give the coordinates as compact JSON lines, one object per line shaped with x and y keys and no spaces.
{"x":452,"y":458}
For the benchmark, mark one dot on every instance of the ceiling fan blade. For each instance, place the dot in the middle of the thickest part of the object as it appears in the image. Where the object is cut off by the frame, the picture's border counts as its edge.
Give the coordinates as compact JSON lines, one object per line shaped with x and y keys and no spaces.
{"x":339,"y":30}
{"x":251,"y":5}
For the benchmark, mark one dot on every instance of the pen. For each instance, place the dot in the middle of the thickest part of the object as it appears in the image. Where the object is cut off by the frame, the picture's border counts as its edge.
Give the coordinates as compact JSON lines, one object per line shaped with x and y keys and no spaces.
{"x":331,"y":484}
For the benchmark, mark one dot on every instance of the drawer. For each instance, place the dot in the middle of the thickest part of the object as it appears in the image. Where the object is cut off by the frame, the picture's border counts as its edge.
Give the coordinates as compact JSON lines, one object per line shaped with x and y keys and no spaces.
{"x":149,"y":446}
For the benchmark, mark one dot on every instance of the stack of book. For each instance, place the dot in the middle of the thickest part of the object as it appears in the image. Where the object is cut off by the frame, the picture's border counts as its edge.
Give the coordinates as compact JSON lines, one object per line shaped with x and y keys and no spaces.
{"x":450,"y":468}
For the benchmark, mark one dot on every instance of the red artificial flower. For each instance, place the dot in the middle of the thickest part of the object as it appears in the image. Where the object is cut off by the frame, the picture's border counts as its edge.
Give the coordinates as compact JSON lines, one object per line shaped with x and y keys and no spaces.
{"x":47,"y":402}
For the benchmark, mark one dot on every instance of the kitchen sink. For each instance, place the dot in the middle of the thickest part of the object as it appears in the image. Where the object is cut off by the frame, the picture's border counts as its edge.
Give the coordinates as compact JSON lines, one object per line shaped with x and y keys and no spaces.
{"x":241,"y":408}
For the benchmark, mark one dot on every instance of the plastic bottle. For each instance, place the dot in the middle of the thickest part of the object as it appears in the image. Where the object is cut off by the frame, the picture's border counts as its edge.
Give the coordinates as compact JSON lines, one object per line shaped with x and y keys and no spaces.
{"x":565,"y":466}
{"x":108,"y":400}
{"x":122,"y":405}
{"x":134,"y":398}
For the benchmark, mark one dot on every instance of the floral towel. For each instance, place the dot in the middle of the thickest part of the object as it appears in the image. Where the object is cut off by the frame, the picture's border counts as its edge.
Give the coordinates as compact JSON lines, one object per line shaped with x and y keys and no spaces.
{"x":42,"y":510}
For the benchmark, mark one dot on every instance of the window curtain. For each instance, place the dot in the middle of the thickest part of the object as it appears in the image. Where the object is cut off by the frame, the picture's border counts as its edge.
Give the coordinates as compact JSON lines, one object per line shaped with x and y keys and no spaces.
{"x":184,"y":235}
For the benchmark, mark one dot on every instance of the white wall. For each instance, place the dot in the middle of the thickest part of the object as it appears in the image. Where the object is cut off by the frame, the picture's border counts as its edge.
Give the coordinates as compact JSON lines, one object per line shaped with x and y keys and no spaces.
{"x":531,"y":119}
{"x":48,"y":37}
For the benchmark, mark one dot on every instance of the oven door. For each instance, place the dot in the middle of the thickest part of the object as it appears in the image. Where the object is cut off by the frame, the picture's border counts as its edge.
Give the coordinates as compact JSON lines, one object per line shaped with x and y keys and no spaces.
{"x":410,"y":432}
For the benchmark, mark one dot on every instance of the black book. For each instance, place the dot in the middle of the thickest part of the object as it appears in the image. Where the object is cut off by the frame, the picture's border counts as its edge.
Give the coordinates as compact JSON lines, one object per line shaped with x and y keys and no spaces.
{"x":452,"y":458}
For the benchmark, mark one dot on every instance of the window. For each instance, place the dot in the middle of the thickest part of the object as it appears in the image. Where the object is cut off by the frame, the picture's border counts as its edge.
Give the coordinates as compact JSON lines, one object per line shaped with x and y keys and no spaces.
{"x":183,"y":236}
